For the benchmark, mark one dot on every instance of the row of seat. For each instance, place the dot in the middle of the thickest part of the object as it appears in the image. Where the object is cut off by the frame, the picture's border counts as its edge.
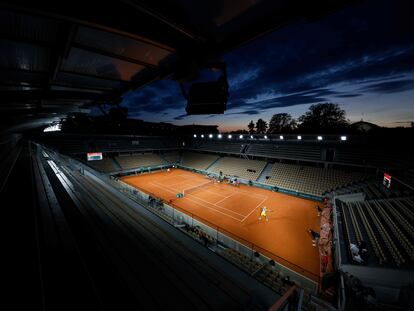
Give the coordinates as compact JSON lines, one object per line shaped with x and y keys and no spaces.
{"x":384,"y":223}
{"x":376,"y":244}
{"x":106,"y":165}
{"x":172,"y":157}
{"x":216,"y":146}
{"x":403,"y":215}
{"x":312,"y":180}
{"x":397,"y":232}
{"x":288,"y":151}
{"x":83,"y":144}
{"x":139,"y":160}
{"x":197,"y":160}
{"x":372,"y":189}
{"x":270,"y":277}
{"x":243,"y":168}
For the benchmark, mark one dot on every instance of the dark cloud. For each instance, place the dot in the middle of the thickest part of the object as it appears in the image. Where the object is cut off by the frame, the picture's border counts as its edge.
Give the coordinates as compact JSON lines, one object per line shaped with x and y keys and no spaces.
{"x":389,"y":87}
{"x":348,"y":95}
{"x":366,"y":45}
{"x":180,"y":117}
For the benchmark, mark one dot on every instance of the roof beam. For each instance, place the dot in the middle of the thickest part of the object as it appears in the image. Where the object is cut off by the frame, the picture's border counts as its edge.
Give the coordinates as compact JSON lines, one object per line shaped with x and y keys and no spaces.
{"x":112,"y":55}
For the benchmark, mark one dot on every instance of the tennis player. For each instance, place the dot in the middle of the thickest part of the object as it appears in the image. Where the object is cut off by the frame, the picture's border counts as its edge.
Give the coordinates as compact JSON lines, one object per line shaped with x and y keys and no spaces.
{"x":263,"y":213}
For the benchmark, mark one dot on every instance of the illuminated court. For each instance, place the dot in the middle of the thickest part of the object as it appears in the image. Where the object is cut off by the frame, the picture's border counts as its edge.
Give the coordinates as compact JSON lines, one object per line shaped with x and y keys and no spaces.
{"x":236,"y":211}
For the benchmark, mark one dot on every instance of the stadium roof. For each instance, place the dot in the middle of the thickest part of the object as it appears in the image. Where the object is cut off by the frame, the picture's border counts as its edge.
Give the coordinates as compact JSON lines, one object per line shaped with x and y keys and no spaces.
{"x":64,"y":56}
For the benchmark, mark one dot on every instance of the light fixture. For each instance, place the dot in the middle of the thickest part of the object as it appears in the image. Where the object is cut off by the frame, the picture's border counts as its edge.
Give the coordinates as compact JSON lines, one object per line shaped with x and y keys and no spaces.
{"x":53,"y":128}
{"x":202,"y":135}
{"x":299,"y":137}
{"x":210,"y":136}
{"x":319,"y":137}
{"x":281,"y":137}
{"x":343,"y":138}
{"x":219,"y":136}
{"x":229,"y":136}
{"x":241,"y":136}
{"x":195,"y":136}
{"x":251,"y":136}
{"x":265,"y":137}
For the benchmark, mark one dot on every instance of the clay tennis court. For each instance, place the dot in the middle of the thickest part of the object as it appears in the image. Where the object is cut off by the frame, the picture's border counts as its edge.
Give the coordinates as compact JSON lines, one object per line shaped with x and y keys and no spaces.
{"x":237,"y":209}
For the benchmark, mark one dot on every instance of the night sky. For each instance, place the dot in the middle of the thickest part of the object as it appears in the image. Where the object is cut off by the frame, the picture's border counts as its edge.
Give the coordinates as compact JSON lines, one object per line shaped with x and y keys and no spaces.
{"x":361,"y":58}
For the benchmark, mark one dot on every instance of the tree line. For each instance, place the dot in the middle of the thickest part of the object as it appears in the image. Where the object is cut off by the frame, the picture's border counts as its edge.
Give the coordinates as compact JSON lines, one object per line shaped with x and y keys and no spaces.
{"x":320,"y":118}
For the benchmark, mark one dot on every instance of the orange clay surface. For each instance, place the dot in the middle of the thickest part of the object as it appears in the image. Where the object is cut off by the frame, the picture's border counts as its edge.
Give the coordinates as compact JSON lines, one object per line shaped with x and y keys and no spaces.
{"x":236,"y":210}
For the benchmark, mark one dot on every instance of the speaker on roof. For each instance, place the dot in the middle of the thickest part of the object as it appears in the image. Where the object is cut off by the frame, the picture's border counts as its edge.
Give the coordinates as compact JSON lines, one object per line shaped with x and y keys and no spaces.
{"x":207,"y":97}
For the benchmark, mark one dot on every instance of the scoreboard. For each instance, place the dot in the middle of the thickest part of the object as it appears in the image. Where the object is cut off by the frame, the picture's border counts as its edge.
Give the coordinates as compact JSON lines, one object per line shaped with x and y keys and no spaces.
{"x":94,"y":156}
{"x":387,"y":180}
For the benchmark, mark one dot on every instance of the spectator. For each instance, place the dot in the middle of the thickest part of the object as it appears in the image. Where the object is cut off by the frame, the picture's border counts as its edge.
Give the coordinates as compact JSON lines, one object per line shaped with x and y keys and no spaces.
{"x":325,"y":261}
{"x":363,"y":252}
{"x":358,"y":259}
{"x":204,"y":238}
{"x":315,"y":236}
{"x":319,"y":210}
{"x":354,"y":249}
{"x":286,"y":281}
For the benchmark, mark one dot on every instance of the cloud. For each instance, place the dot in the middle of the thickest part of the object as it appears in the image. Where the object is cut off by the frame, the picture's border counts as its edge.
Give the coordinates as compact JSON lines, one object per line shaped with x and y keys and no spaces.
{"x":350,"y":95}
{"x":390,"y":86}
{"x":361,"y":48}
{"x":180,"y":117}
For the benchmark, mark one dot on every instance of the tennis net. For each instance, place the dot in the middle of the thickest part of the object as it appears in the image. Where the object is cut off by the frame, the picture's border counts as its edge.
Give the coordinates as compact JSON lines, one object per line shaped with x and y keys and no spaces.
{"x":195,"y":188}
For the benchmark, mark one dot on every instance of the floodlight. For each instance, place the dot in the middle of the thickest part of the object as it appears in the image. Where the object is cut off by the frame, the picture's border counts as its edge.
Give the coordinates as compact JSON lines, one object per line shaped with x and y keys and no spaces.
{"x":210,"y":136}
{"x":251,"y":136}
{"x":202,"y":135}
{"x":319,"y":137}
{"x":195,"y":136}
{"x":241,"y":136}
{"x":299,"y":137}
{"x":343,"y":138}
{"x":265,"y":137}
{"x":219,"y":136}
{"x":229,"y":136}
{"x":281,"y":137}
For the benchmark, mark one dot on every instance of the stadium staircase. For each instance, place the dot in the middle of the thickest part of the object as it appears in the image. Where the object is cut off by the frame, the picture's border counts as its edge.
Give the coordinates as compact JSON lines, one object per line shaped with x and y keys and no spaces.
{"x":267,"y":171}
{"x":244,"y":148}
{"x":117,"y":165}
{"x":164,"y":160}
{"x":213,"y":163}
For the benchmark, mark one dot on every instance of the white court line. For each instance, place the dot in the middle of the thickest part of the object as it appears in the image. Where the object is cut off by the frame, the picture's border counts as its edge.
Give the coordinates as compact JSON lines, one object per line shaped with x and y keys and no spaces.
{"x":254,"y":209}
{"x":195,"y":197}
{"x":225,"y":198}
{"x":213,"y":204}
{"x":231,"y":211}
{"x":214,"y":192}
{"x":199,"y":203}
{"x":250,"y":194}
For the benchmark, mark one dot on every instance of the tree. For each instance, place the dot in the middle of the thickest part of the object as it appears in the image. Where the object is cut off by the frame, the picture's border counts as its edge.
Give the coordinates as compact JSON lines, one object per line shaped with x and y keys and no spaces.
{"x":326,"y":117}
{"x":261,"y":126}
{"x":281,"y":122}
{"x":240,"y":131}
{"x":251,"y":127}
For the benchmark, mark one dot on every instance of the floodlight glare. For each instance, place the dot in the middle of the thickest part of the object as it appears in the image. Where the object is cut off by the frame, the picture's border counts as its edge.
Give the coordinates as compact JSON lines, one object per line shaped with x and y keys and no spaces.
{"x":229,"y":136}
{"x":265,"y":137}
{"x":241,"y":136}
{"x":319,"y":137}
{"x":202,"y":135}
{"x":343,"y":138}
{"x":53,"y":128}
{"x":281,"y":137}
{"x":210,"y":136}
{"x":219,"y":136}
{"x":251,"y":136}
{"x":299,"y":137}
{"x":195,"y":136}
